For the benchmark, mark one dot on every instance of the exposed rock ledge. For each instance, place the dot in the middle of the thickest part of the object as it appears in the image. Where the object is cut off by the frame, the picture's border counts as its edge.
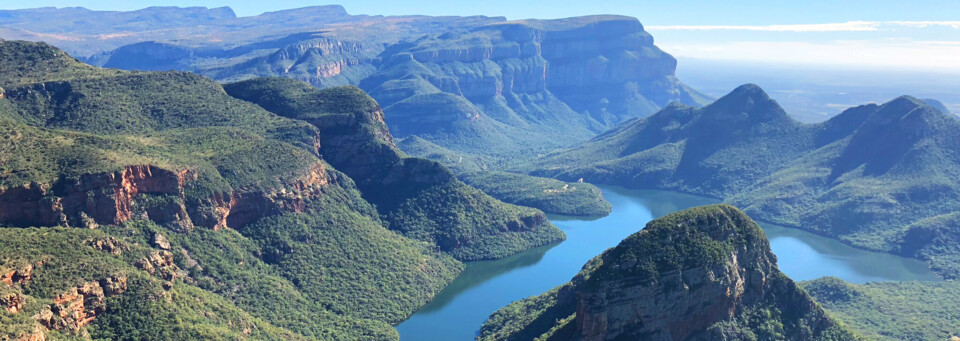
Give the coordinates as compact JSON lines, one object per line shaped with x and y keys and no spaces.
{"x":110,"y":198}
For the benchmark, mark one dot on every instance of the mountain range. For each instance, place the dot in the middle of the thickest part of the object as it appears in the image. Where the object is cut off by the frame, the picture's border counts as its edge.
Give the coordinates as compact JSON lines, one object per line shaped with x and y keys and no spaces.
{"x":882,"y":177}
{"x":479,"y":87}
{"x":139,"y":204}
{"x":262,"y":189}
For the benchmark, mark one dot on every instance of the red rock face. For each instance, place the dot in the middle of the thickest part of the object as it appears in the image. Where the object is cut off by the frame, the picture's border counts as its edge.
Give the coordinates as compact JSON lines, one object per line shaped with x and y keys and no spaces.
{"x":17,"y":276}
{"x":77,"y":307}
{"x":29,"y":205}
{"x":109,"y":198}
{"x":238,"y":209}
{"x":104,"y":198}
{"x":12,"y":301}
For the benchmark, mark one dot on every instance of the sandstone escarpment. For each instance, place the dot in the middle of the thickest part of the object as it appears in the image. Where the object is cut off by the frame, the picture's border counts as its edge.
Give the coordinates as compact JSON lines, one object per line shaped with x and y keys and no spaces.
{"x":239,"y":208}
{"x":525,"y":84}
{"x":321,"y":61}
{"x":104,"y":198}
{"x":117,"y":197}
{"x":702,"y":274}
{"x":679,"y":305}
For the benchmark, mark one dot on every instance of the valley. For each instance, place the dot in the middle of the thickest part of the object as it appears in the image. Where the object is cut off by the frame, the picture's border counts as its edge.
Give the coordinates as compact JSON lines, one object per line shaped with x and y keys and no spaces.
{"x":309,"y":173}
{"x":484,"y":287}
{"x":874,"y":176}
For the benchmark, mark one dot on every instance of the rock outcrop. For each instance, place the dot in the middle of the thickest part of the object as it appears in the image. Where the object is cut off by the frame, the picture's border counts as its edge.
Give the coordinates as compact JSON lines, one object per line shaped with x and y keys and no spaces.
{"x":18,"y":273}
{"x":239,"y":208}
{"x":77,"y":307}
{"x":112,"y":198}
{"x":105,"y":198}
{"x":12,"y":301}
{"x":702,"y":274}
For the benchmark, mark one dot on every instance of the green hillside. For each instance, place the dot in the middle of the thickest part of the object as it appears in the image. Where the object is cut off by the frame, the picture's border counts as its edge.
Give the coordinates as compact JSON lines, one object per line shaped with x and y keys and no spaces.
{"x":716,"y":279}
{"x":431,"y":204}
{"x":549,"y":195}
{"x":882,"y":177}
{"x":171,"y":209}
{"x":892,"y":310}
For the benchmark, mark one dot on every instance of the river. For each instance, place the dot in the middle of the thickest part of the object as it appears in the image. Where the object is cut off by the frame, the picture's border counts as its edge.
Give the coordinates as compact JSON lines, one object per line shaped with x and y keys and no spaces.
{"x":458,"y":312}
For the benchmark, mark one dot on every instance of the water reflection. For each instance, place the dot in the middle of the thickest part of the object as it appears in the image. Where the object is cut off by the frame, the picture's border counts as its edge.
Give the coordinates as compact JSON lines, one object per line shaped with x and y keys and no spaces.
{"x":458,"y":312}
{"x":477,"y":273}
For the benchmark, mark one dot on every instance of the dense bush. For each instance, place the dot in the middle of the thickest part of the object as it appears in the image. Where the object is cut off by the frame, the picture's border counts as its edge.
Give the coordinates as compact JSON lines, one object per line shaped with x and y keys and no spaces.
{"x":892,"y":310}
{"x":548,"y":195}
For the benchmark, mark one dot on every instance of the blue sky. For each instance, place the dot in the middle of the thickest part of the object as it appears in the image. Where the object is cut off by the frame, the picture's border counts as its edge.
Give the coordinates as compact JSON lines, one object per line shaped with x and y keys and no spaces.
{"x":922,"y":34}
{"x":677,"y":12}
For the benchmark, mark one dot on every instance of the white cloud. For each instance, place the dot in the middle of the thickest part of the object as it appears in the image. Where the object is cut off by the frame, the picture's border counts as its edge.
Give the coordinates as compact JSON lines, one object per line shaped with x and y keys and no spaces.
{"x":893,"y":54}
{"x":850,"y":26}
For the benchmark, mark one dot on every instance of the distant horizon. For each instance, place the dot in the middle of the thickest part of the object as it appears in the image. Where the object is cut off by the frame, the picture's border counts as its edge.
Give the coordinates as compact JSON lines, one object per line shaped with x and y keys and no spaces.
{"x":878,"y":35}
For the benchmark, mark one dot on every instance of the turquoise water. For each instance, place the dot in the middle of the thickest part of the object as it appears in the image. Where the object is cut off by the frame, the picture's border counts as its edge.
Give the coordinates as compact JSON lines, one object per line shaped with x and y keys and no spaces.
{"x":458,"y":312}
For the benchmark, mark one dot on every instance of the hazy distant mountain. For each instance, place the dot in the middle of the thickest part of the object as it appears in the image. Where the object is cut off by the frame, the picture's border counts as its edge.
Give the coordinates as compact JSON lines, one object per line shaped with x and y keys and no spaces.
{"x":468,"y":85}
{"x":937,"y":105}
{"x":706,"y":273}
{"x":513,"y":85}
{"x":884,"y":177}
{"x":83,"y":32}
{"x":812,"y":93}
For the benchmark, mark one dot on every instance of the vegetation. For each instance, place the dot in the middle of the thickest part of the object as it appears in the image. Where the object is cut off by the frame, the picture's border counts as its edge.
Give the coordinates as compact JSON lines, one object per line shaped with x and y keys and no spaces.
{"x":68,"y":259}
{"x":432,"y":205}
{"x":643,"y":270}
{"x":348,"y":263}
{"x":879,"y":177}
{"x":549,"y":195}
{"x":695,"y":244}
{"x":458,"y":162}
{"x":892,"y":310}
{"x":303,"y":256}
{"x":530,"y":318}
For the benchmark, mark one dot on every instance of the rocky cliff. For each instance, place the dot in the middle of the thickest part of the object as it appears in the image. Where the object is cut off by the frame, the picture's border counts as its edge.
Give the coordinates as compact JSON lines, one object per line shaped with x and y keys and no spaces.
{"x":527,"y":83}
{"x":313,"y":58}
{"x":470,"y":85}
{"x":105,"y":198}
{"x":706,"y":273}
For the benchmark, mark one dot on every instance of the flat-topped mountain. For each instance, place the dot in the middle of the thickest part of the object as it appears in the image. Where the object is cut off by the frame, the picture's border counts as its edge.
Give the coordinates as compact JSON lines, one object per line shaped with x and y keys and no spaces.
{"x":480,"y":88}
{"x":156,"y":204}
{"x":524,"y":83}
{"x":706,"y":273}
{"x":877,"y":176}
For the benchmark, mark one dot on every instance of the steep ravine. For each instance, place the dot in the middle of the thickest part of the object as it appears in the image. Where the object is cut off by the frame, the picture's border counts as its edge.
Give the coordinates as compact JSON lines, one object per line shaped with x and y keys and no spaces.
{"x":407,"y":191}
